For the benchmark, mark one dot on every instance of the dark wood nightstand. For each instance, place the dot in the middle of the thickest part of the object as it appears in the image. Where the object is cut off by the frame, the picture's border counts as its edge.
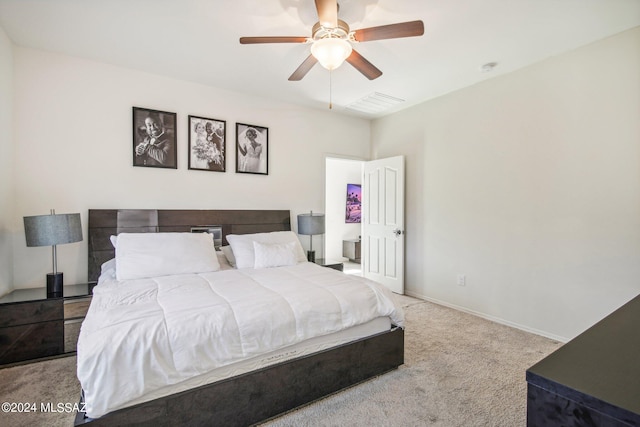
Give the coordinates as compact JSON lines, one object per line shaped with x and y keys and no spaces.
{"x":33,"y":326}
{"x":336,"y":265}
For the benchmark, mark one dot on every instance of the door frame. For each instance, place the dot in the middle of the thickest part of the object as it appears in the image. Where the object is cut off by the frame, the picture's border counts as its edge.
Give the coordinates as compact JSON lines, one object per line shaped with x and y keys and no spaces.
{"x":328,"y":227}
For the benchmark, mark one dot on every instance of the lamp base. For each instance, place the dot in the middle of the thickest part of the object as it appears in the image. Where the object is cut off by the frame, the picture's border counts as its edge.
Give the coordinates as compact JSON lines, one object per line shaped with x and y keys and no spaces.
{"x":311,"y":256}
{"x":54,"y":285}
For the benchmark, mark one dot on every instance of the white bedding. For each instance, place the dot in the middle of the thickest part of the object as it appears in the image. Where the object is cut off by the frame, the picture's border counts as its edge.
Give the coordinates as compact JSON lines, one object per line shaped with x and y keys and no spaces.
{"x":143,"y":335}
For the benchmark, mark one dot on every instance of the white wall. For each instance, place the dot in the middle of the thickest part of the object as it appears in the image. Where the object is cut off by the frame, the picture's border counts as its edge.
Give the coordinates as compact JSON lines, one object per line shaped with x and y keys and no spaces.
{"x":340,"y":172}
{"x":73,"y":150}
{"x":6,"y":163}
{"x":529,"y":184}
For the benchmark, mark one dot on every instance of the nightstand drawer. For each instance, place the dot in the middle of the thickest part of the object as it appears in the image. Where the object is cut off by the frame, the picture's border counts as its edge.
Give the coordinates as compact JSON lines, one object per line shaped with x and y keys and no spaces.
{"x":23,"y":313}
{"x":33,"y":341}
{"x":71,"y":333}
{"x":76,"y":307}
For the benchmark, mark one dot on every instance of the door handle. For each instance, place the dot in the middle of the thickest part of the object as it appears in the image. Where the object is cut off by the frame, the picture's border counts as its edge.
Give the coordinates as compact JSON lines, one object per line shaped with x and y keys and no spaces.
{"x":397,"y":232}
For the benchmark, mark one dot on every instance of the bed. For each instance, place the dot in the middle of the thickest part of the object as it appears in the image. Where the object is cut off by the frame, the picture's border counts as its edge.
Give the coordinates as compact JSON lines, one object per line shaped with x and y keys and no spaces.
{"x":189,"y":340}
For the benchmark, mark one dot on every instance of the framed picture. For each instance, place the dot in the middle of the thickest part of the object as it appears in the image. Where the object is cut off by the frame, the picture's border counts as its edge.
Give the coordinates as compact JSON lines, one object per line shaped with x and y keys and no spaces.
{"x":207,"y":144}
{"x":353,"y":213}
{"x":154,"y":138}
{"x":252,"y":149}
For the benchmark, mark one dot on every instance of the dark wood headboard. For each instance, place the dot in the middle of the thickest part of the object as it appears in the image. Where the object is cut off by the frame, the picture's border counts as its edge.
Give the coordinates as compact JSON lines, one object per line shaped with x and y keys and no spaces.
{"x":104,"y":223}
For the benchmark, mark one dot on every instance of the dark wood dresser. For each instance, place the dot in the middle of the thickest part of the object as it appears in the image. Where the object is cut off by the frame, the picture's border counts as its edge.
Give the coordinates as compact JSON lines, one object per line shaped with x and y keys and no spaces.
{"x":593,"y":380}
{"x":33,"y":326}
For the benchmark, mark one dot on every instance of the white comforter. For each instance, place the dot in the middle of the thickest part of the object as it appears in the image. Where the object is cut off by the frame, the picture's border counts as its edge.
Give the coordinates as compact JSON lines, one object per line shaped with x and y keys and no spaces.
{"x":141,"y":335}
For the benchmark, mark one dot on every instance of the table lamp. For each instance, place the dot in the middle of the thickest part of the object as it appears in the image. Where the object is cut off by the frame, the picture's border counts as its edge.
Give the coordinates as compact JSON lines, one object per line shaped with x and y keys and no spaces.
{"x":308,"y":225}
{"x":52,"y":230}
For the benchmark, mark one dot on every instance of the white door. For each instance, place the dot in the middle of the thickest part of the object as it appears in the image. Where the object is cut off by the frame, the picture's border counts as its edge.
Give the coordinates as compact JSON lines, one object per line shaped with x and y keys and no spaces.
{"x":383,"y":222}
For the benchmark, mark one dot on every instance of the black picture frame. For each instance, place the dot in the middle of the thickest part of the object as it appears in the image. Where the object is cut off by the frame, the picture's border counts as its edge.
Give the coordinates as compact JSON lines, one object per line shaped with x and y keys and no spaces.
{"x":252,"y":149}
{"x":207,"y":144}
{"x":157,"y":150}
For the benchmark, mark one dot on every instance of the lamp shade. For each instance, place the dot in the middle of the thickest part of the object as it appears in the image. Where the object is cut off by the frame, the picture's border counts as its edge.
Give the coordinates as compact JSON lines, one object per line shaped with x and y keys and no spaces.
{"x":50,"y":230}
{"x":310,"y":224}
{"x":331,"y":52}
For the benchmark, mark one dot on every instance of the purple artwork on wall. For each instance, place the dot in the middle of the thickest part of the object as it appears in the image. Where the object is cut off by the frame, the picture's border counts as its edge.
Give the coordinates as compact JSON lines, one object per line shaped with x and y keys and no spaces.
{"x":354,"y":203}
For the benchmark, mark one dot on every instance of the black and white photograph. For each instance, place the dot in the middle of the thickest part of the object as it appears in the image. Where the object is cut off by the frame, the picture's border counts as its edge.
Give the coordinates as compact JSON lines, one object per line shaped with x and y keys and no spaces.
{"x":252,"y":149}
{"x":154,"y":138}
{"x":207,"y":144}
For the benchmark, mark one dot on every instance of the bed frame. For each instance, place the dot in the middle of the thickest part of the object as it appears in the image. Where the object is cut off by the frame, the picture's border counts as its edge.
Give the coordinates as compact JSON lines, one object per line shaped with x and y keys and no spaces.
{"x":258,"y":395}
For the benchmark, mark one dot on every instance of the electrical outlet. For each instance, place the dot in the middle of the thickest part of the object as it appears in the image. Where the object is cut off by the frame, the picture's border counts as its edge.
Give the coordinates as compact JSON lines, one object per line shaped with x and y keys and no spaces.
{"x":461,"y":280}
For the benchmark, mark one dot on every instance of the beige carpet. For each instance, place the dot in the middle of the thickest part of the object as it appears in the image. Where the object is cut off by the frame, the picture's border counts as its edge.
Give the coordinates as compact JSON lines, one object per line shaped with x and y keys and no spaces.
{"x":460,"y":370}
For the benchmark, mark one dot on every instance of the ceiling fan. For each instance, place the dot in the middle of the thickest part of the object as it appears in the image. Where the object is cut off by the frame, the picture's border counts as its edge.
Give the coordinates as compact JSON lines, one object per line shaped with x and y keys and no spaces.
{"x":331,"y":40}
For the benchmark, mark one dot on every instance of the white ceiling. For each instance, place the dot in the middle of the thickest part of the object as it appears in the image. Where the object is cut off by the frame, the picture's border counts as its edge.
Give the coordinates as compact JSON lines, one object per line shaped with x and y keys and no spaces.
{"x":197,"y":40}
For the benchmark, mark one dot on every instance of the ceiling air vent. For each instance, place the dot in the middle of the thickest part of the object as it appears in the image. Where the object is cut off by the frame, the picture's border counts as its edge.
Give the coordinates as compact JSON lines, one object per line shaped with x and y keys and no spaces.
{"x":375,"y":103}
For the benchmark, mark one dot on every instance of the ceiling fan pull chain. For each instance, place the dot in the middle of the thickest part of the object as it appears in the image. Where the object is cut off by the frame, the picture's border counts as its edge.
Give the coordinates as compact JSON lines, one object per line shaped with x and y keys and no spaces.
{"x":330,"y":90}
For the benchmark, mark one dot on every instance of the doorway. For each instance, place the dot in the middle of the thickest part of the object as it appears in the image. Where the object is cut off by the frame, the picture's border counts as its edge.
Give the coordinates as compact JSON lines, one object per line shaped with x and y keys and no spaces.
{"x":341,"y":237}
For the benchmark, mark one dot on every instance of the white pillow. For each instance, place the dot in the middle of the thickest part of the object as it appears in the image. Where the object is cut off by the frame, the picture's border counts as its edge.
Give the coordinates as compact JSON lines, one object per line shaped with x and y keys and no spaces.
{"x":223,"y":261}
{"x":243,"y":251}
{"x":108,"y":265}
{"x":228,"y":253}
{"x":274,"y":254}
{"x":140,"y":255}
{"x":114,"y":240}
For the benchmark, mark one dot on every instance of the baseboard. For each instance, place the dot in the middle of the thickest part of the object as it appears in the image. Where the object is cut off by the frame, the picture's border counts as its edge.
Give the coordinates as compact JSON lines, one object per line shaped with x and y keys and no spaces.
{"x":489,"y":317}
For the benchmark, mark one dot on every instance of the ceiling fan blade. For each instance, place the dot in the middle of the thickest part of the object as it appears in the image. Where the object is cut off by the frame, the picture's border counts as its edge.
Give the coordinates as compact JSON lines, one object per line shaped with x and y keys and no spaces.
{"x":327,"y":13}
{"x":392,"y":31}
{"x":255,"y":40}
{"x":365,"y":67}
{"x":303,"y":69}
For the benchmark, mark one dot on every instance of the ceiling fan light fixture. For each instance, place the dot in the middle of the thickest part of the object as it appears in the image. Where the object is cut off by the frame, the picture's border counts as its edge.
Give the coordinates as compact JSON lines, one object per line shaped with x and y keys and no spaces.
{"x":331,"y":51}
